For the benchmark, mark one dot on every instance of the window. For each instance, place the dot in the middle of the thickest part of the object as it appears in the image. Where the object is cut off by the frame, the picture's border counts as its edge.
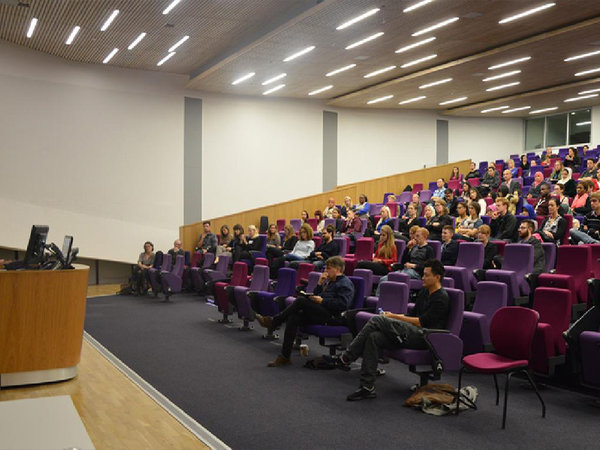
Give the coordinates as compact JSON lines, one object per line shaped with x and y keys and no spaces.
{"x":580,"y":125}
{"x":556,"y":130}
{"x":534,"y":133}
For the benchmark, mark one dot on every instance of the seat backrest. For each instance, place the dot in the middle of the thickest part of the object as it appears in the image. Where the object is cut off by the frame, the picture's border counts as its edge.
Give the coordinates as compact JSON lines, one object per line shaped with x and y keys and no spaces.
{"x":286,"y":281}
{"x":400,"y":247}
{"x":263,"y":243}
{"x":470,"y":255}
{"x":511,"y":331}
{"x":550,"y":252}
{"x":437,"y":248}
{"x":187,"y":260}
{"x":432,"y":185}
{"x":393,"y":297}
{"x":457,"y":308}
{"x":280,"y":224}
{"x":366,"y":275}
{"x":595,"y":249}
{"x":365,"y":224}
{"x":417,"y":187}
{"x":447,"y":282}
{"x":313,"y":222}
{"x":209,"y":259}
{"x":399,"y":277}
{"x":239,"y":274}
{"x":343,"y":244}
{"x":490,"y":297}
{"x":179,"y":266}
{"x":359,"y":292}
{"x":223,"y":263}
{"x":393,"y":208}
{"x":375,"y":209}
{"x":329,"y":221}
{"x":405,"y":197}
{"x":166,"y":262}
{"x":425,"y":195}
{"x":317,"y":240}
{"x":313,"y":279}
{"x":554,"y":307}
{"x":296,"y":224}
{"x":260,"y":278}
{"x":569,"y":219}
{"x":574,"y":260}
{"x":303,"y":270}
{"x":158,"y":260}
{"x":518,"y":258}
{"x":364,"y":249}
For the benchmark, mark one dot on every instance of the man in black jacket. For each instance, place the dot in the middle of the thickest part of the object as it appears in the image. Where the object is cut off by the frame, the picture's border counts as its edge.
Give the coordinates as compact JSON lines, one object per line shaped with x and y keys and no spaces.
{"x":503,"y":224}
{"x":526,"y":230}
{"x":449,"y":246}
{"x":328,"y":248}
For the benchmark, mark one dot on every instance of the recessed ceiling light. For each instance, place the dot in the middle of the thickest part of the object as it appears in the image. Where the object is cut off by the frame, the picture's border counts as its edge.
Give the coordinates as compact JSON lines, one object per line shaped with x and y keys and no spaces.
{"x":588,"y":92}
{"x":110,"y":55}
{"x":341,"y":69}
{"x":173,"y":4}
{"x":275,"y":78}
{"x":502,"y":75}
{"x":416,"y":5}
{"x":323,"y":89}
{"x":435,"y":83}
{"x":585,"y":72}
{"x":436,"y":26}
{"x":543,"y":110}
{"x":380,"y":99}
{"x":367,"y":39}
{"x":32,"y":25}
{"x":582,"y":124}
{"x":503,"y":86}
{"x":165,"y":59}
{"x":584,"y":55}
{"x":178,"y":43}
{"x":583,"y":97}
{"x":416,"y":44}
{"x":136,"y":41}
{"x":411,"y":100}
{"x":497,"y":108}
{"x":109,"y":20}
{"x":358,"y":18}
{"x":243,"y":78}
{"x":300,"y":53}
{"x":276,"y":88}
{"x":417,"y":61}
{"x":72,"y":35}
{"x":509,"y":63}
{"x":527,"y":13}
{"x":454,"y":100}
{"x":521,"y":108}
{"x":377,"y":72}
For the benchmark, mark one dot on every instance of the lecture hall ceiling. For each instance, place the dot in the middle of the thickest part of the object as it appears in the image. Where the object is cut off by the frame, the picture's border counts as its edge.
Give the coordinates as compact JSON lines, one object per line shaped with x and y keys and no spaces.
{"x":232,"y":38}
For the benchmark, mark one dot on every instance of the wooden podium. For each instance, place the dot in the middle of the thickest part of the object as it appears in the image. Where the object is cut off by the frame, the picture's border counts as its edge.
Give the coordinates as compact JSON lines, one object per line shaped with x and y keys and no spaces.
{"x":41,"y":324}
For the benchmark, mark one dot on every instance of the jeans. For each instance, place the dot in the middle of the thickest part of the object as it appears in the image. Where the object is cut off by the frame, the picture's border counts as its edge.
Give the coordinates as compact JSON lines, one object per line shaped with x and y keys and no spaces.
{"x":581,"y":236}
{"x":293,"y":257}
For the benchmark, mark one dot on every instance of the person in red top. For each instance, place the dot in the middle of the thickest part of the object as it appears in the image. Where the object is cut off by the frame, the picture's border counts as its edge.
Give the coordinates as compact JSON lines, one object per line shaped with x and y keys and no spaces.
{"x":385,"y":256}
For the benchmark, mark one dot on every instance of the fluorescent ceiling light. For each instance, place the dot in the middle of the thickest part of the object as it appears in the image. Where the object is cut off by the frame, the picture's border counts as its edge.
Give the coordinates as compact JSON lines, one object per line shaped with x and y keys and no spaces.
{"x":165,"y":59}
{"x":509,"y":63}
{"x":377,"y":72}
{"x":171,"y":6}
{"x":502,"y":75}
{"x":367,"y":39}
{"x":538,"y":111}
{"x":583,"y":97}
{"x":72,"y":35}
{"x":417,"y":61}
{"x":436,"y":26}
{"x":416,"y":44}
{"x":521,"y":108}
{"x":32,"y":25}
{"x":527,"y":13}
{"x":380,"y":99}
{"x":588,"y":92}
{"x":411,"y":100}
{"x":300,"y":53}
{"x":582,"y":124}
{"x":497,"y":108}
{"x":276,"y":88}
{"x":416,"y":5}
{"x":435,"y":83}
{"x":110,"y":55}
{"x":341,"y":69}
{"x":323,"y":89}
{"x":244,"y":78}
{"x":275,"y":78}
{"x":358,"y":18}
{"x":454,"y":100}
{"x":585,"y":72}
{"x":584,"y":55}
{"x":178,"y":43}
{"x":136,"y":41}
{"x":503,"y":86}
{"x":109,"y":20}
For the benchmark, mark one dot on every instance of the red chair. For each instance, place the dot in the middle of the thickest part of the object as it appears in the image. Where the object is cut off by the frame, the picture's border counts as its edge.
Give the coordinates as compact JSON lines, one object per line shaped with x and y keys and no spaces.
{"x":362,"y":252}
{"x":303,"y":270}
{"x":313,"y":222}
{"x":280,"y":224}
{"x":417,"y":187}
{"x":511,"y":332}
{"x":239,"y":277}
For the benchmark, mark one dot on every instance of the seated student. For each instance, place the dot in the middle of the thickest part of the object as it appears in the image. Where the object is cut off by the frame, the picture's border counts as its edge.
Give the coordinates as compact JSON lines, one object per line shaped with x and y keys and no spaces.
{"x":455,"y":175}
{"x":449,"y":246}
{"x":489,"y":182}
{"x":339,"y":222}
{"x":246,"y":245}
{"x":554,"y":226}
{"x":514,"y":187}
{"x":590,"y":170}
{"x":440,"y":192}
{"x":589,"y":231}
{"x":328,"y":248}
{"x":556,"y":173}
{"x":332,"y":296}
{"x":225,"y":238}
{"x":534,"y":189}
{"x":571,"y":159}
{"x":464,"y":190}
{"x":541,"y":207}
{"x":273,"y":238}
{"x":429,"y":215}
{"x":385,"y":255}
{"x":503,"y":223}
{"x":514,"y":171}
{"x":475,"y":196}
{"x":347,"y":206}
{"x":352,"y":224}
{"x":467,"y":225}
{"x":563,"y":200}
{"x":392,"y":331}
{"x":304,"y":216}
{"x":490,"y":250}
{"x":238,"y":232}
{"x":176,"y":251}
{"x":362,"y":208}
{"x":568,"y":182}
{"x":451,"y":202}
{"x":385,"y":219}
{"x":416,"y":253}
{"x":581,"y":202}
{"x":304,"y":246}
{"x":408,"y":220}
{"x":439,"y":221}
{"x":416,"y":201}
{"x":320,"y":220}
{"x":524,"y":164}
{"x":547,"y":156}
{"x":526,"y":230}
{"x":473,"y":172}
{"x":207,"y":243}
{"x":140,"y":270}
{"x":328,"y":211}
{"x":503,"y":193}
{"x":289,"y":241}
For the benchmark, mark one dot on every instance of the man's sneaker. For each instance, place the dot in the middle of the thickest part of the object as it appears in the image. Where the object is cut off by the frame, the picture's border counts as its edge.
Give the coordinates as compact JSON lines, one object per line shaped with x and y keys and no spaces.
{"x":362,"y":394}
{"x":265,"y":321}
{"x":279,"y":362}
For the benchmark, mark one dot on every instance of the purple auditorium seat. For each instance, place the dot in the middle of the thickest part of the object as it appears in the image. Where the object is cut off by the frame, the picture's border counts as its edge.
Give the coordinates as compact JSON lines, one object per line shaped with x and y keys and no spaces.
{"x":375,"y":209}
{"x":258,"y":282}
{"x":340,"y":334}
{"x":303,"y":270}
{"x":317,"y":240}
{"x":239,"y":277}
{"x":475,"y":332}
{"x":511,"y":331}
{"x":366,"y":275}
{"x":595,"y":249}
{"x":518,"y":261}
{"x":470,"y":258}
{"x":219,"y":273}
{"x":343,"y":244}
{"x":432,"y":185}
{"x":266,"y":303}
{"x":417,"y":187}
{"x":393,"y":208}
{"x":196,"y":272}
{"x":550,"y":252}
{"x":296,"y":224}
{"x":328,"y":221}
{"x":363,"y":252}
{"x":589,"y":342}
{"x":313,"y":222}
{"x":385,"y":197}
{"x":453,"y":184}
{"x":448,"y":345}
{"x":398,"y":277}
{"x":393,"y":297}
{"x":425,"y":195}
{"x":405,"y":197}
{"x":172,"y":281}
{"x":154,"y":274}
{"x":549,"y":347}
{"x":280,"y":224}
{"x":448,"y":282}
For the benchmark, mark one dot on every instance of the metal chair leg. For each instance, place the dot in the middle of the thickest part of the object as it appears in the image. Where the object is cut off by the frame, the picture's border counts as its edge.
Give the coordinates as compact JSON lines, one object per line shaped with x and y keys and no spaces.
{"x":497,"y":390}
{"x":506,"y":388}
{"x":536,"y":392}
{"x":460,"y":373}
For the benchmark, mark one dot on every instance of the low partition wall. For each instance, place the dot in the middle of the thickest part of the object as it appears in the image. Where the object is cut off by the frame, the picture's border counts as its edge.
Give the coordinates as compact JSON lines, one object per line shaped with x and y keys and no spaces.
{"x":374,"y":189}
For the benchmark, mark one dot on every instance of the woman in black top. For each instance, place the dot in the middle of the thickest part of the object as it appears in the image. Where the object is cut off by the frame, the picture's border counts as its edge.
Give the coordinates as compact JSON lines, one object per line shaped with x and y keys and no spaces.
{"x":572,"y":159}
{"x":289,"y":241}
{"x":554,"y":226}
{"x":408,"y":220}
{"x":524,"y":165}
{"x":247,"y":244}
{"x":439,"y":221}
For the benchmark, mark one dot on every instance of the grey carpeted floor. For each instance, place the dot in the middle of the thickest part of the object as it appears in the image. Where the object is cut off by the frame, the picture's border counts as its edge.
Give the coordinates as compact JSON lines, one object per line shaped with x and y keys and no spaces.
{"x":218,"y":375}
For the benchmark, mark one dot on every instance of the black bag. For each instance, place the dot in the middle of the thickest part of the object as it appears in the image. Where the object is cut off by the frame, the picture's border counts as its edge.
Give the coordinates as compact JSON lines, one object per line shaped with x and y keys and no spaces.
{"x":321,"y":363}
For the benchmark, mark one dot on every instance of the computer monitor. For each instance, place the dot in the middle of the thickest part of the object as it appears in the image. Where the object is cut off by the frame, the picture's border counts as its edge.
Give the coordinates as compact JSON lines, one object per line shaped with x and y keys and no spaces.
{"x":37,"y":243}
{"x":66,"y":250}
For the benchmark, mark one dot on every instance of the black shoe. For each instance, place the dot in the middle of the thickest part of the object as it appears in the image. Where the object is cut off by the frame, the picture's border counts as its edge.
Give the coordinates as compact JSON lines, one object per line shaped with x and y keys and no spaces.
{"x":362,"y":394}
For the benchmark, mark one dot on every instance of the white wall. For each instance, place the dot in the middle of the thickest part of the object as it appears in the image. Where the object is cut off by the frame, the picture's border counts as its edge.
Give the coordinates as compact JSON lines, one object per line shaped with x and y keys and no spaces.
{"x":595,"y":132}
{"x":92,"y":151}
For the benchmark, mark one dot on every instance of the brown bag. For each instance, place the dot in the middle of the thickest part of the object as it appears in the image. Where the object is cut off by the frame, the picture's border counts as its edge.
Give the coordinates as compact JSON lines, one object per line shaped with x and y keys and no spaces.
{"x":432,"y":394}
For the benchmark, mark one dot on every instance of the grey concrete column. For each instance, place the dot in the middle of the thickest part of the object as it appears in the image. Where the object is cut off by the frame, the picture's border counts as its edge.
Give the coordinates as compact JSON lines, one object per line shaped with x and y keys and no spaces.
{"x":330,"y":132}
{"x":192,"y":160}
